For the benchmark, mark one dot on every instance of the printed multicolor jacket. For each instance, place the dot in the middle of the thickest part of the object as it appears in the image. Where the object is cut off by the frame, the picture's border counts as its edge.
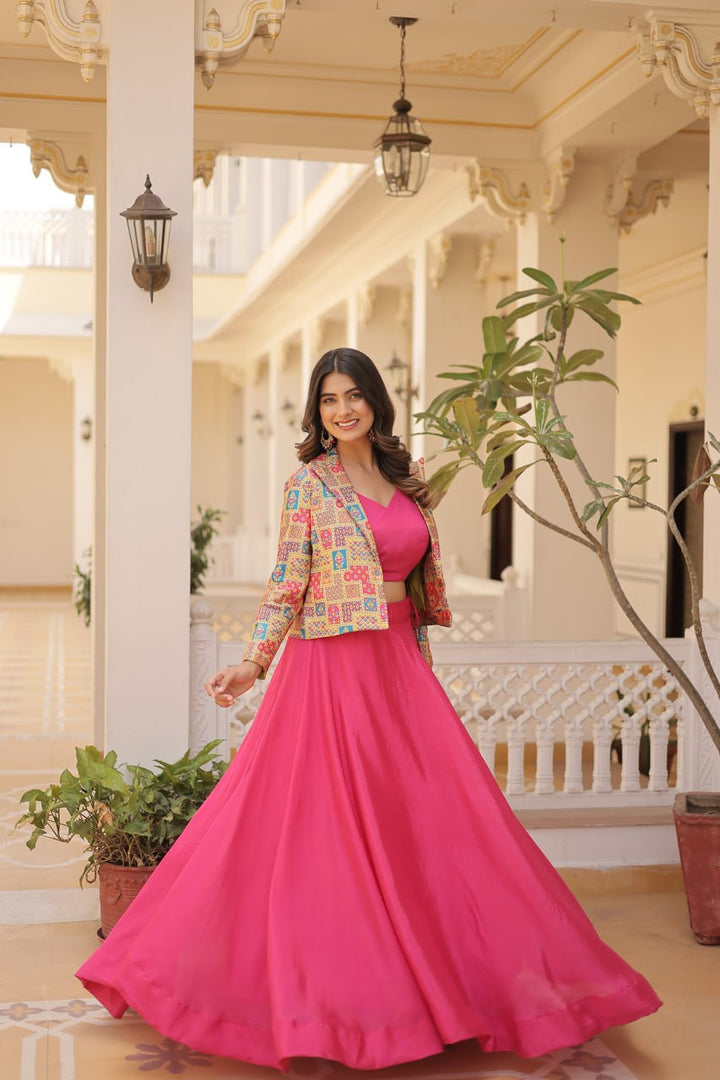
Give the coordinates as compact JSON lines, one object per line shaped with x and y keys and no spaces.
{"x":328,"y":579}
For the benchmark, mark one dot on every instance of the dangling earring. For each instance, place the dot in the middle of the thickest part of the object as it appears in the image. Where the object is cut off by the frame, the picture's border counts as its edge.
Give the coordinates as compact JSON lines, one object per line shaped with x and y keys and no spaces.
{"x":326,"y":440}
{"x":371,"y":435}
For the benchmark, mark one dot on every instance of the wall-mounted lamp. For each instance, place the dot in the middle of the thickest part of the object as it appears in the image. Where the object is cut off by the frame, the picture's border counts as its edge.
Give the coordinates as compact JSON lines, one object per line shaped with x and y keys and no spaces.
{"x":289,"y":412}
{"x":86,"y":429}
{"x":148,"y":222}
{"x":402,"y":153}
{"x":401,"y":382}
{"x":262,"y":428}
{"x":400,"y":376}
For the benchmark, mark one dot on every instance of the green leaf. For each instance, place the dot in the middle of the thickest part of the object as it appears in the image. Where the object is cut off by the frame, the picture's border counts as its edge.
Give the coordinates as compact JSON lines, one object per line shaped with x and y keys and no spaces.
{"x":591,"y":376}
{"x":495,"y":464}
{"x":606,"y":296}
{"x":494,"y":334}
{"x":541,"y":414}
{"x":591,"y":509}
{"x":600,"y":313}
{"x":608,"y":507}
{"x":578,"y":286}
{"x":520,"y":313}
{"x":581,"y":358}
{"x":503,"y":487}
{"x":440,"y":481}
{"x":467,"y":416}
{"x":521,"y":295}
{"x":541,"y":277}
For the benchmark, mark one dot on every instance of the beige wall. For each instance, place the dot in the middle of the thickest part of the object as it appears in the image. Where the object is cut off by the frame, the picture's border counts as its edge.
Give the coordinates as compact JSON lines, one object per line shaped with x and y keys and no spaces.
{"x":661,"y":362}
{"x":36,"y":519}
{"x":217,"y":456}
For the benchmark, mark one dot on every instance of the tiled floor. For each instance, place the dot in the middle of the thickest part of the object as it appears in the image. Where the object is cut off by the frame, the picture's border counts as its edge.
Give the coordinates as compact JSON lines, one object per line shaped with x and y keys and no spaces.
{"x":50,"y":1030}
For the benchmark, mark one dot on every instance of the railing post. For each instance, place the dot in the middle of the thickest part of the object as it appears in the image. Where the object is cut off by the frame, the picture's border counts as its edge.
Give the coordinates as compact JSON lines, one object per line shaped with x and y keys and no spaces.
{"x":698,"y":760}
{"x":514,"y":607}
{"x":207,"y":721}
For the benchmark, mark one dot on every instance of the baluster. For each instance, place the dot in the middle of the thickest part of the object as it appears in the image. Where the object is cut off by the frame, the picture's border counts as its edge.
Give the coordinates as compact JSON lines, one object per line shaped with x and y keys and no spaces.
{"x":545,"y":742}
{"x":630,"y":775}
{"x":573,"y":756}
{"x":516,"y":754}
{"x":602,"y":738}
{"x":659,"y":734}
{"x":207,"y":721}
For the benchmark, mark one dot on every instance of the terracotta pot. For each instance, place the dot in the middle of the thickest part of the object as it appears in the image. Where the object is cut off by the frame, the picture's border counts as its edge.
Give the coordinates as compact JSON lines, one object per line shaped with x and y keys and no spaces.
{"x":119,"y":885}
{"x":697,"y":823}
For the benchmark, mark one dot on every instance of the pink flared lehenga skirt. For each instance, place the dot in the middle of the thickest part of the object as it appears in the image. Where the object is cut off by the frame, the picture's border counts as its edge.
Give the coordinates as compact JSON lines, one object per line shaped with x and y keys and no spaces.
{"x":357,"y":888}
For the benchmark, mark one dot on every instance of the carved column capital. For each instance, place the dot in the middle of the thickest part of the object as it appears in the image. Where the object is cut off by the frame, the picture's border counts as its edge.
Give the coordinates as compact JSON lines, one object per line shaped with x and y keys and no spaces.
{"x":47,"y":154}
{"x":493,"y":185}
{"x":687,"y":54}
{"x":217,"y":47}
{"x":365,"y":298}
{"x":80,"y":40}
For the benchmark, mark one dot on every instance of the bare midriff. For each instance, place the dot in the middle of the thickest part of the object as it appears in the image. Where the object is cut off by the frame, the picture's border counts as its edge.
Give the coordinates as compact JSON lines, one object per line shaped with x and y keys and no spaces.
{"x":394,"y":591}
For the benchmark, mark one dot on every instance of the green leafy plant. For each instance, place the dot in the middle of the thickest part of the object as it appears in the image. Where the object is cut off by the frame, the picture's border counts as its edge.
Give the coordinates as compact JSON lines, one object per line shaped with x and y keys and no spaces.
{"x":201,"y":535}
{"x":83,"y":582}
{"x":509,"y":403}
{"x":131,"y":821}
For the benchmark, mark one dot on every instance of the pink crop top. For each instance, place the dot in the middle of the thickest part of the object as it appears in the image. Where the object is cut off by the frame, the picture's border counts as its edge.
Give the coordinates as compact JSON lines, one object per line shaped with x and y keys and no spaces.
{"x":401,"y":535}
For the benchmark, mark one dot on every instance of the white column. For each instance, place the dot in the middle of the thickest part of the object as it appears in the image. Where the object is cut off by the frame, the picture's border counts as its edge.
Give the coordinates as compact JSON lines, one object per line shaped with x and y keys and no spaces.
{"x":565,"y":582}
{"x":711,"y":504}
{"x":82,"y":460}
{"x":150,"y":99}
{"x":419,"y":342}
{"x":307,"y":358}
{"x":274,"y":481}
{"x":99,"y":445}
{"x":352,"y":334}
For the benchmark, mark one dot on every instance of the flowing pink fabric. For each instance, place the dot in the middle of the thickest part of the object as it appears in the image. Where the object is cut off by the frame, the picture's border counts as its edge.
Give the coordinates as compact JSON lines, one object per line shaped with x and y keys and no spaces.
{"x":357,"y":888}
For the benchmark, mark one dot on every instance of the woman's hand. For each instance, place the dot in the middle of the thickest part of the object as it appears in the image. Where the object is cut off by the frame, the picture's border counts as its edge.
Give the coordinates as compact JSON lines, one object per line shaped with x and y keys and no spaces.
{"x":231,"y":682}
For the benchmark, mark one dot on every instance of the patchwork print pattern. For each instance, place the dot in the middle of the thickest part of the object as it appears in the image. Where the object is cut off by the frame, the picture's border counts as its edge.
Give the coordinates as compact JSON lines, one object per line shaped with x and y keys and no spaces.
{"x":328,"y":579}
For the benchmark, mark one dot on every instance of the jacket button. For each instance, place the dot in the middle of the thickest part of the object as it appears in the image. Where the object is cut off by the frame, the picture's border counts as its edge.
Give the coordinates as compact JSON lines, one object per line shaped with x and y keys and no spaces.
{"x":338,"y":502}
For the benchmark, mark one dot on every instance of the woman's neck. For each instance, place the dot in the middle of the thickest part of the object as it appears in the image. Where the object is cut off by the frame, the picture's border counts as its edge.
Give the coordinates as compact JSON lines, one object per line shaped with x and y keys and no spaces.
{"x":358,"y":456}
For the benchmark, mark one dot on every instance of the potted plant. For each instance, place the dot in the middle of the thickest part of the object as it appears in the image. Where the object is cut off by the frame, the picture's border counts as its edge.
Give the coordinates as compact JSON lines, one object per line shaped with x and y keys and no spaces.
{"x":508,"y":403}
{"x":127,"y":824}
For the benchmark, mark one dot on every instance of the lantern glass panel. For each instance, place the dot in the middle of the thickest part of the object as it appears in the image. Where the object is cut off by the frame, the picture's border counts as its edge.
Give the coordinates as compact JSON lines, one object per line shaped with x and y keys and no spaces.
{"x":134,"y":239}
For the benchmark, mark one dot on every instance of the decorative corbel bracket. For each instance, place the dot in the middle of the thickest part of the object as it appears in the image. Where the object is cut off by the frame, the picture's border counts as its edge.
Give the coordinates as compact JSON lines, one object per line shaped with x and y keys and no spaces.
{"x":656,"y":193}
{"x":439,"y":248}
{"x":255,"y":18}
{"x":485,"y":256}
{"x":79,"y":40}
{"x":687,"y":56}
{"x":493,"y":186}
{"x":403,"y":312}
{"x":366,"y":297}
{"x":45,"y":154}
{"x":622,"y":208}
{"x":234,"y":374}
{"x":62,"y":367}
{"x":204,"y":165}
{"x":620,"y":190}
{"x":561,"y":168}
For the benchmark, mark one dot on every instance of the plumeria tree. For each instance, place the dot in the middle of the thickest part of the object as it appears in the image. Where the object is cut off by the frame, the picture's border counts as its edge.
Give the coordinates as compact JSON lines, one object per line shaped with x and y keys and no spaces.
{"x":509,"y":405}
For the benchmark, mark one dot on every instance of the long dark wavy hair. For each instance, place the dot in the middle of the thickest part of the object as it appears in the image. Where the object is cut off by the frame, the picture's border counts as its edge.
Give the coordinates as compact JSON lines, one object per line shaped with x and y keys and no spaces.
{"x":392,"y":456}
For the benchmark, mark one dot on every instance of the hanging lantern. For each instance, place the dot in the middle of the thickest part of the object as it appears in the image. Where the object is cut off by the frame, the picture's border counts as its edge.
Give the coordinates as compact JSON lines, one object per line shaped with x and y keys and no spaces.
{"x":402,"y":153}
{"x":148,"y":222}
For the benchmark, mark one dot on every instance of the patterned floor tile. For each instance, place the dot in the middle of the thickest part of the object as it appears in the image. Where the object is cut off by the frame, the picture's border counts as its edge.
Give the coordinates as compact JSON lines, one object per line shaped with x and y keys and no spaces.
{"x":76,"y":1039}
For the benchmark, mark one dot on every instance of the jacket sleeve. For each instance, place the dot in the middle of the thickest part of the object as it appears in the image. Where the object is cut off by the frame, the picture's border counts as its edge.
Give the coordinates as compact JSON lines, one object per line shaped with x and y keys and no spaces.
{"x":285,"y":590}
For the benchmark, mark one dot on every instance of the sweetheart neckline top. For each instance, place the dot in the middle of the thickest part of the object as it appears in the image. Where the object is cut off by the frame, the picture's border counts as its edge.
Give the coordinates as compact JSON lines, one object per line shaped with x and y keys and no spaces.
{"x":400,"y":532}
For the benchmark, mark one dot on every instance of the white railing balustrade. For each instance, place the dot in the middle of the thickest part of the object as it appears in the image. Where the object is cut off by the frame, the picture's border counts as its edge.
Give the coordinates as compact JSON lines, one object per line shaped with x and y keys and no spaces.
{"x":58,"y":238}
{"x":548,"y":718}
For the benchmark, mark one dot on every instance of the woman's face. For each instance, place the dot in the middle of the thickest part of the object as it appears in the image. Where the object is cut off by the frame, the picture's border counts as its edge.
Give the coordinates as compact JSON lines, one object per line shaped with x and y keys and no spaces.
{"x":343,"y":410}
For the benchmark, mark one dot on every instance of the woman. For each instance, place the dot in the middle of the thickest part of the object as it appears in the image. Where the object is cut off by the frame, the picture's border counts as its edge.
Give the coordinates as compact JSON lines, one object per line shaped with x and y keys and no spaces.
{"x":356,"y":887}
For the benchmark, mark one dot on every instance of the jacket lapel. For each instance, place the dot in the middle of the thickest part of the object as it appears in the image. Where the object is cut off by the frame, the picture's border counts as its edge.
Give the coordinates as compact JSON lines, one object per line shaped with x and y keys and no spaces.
{"x":328,"y":469}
